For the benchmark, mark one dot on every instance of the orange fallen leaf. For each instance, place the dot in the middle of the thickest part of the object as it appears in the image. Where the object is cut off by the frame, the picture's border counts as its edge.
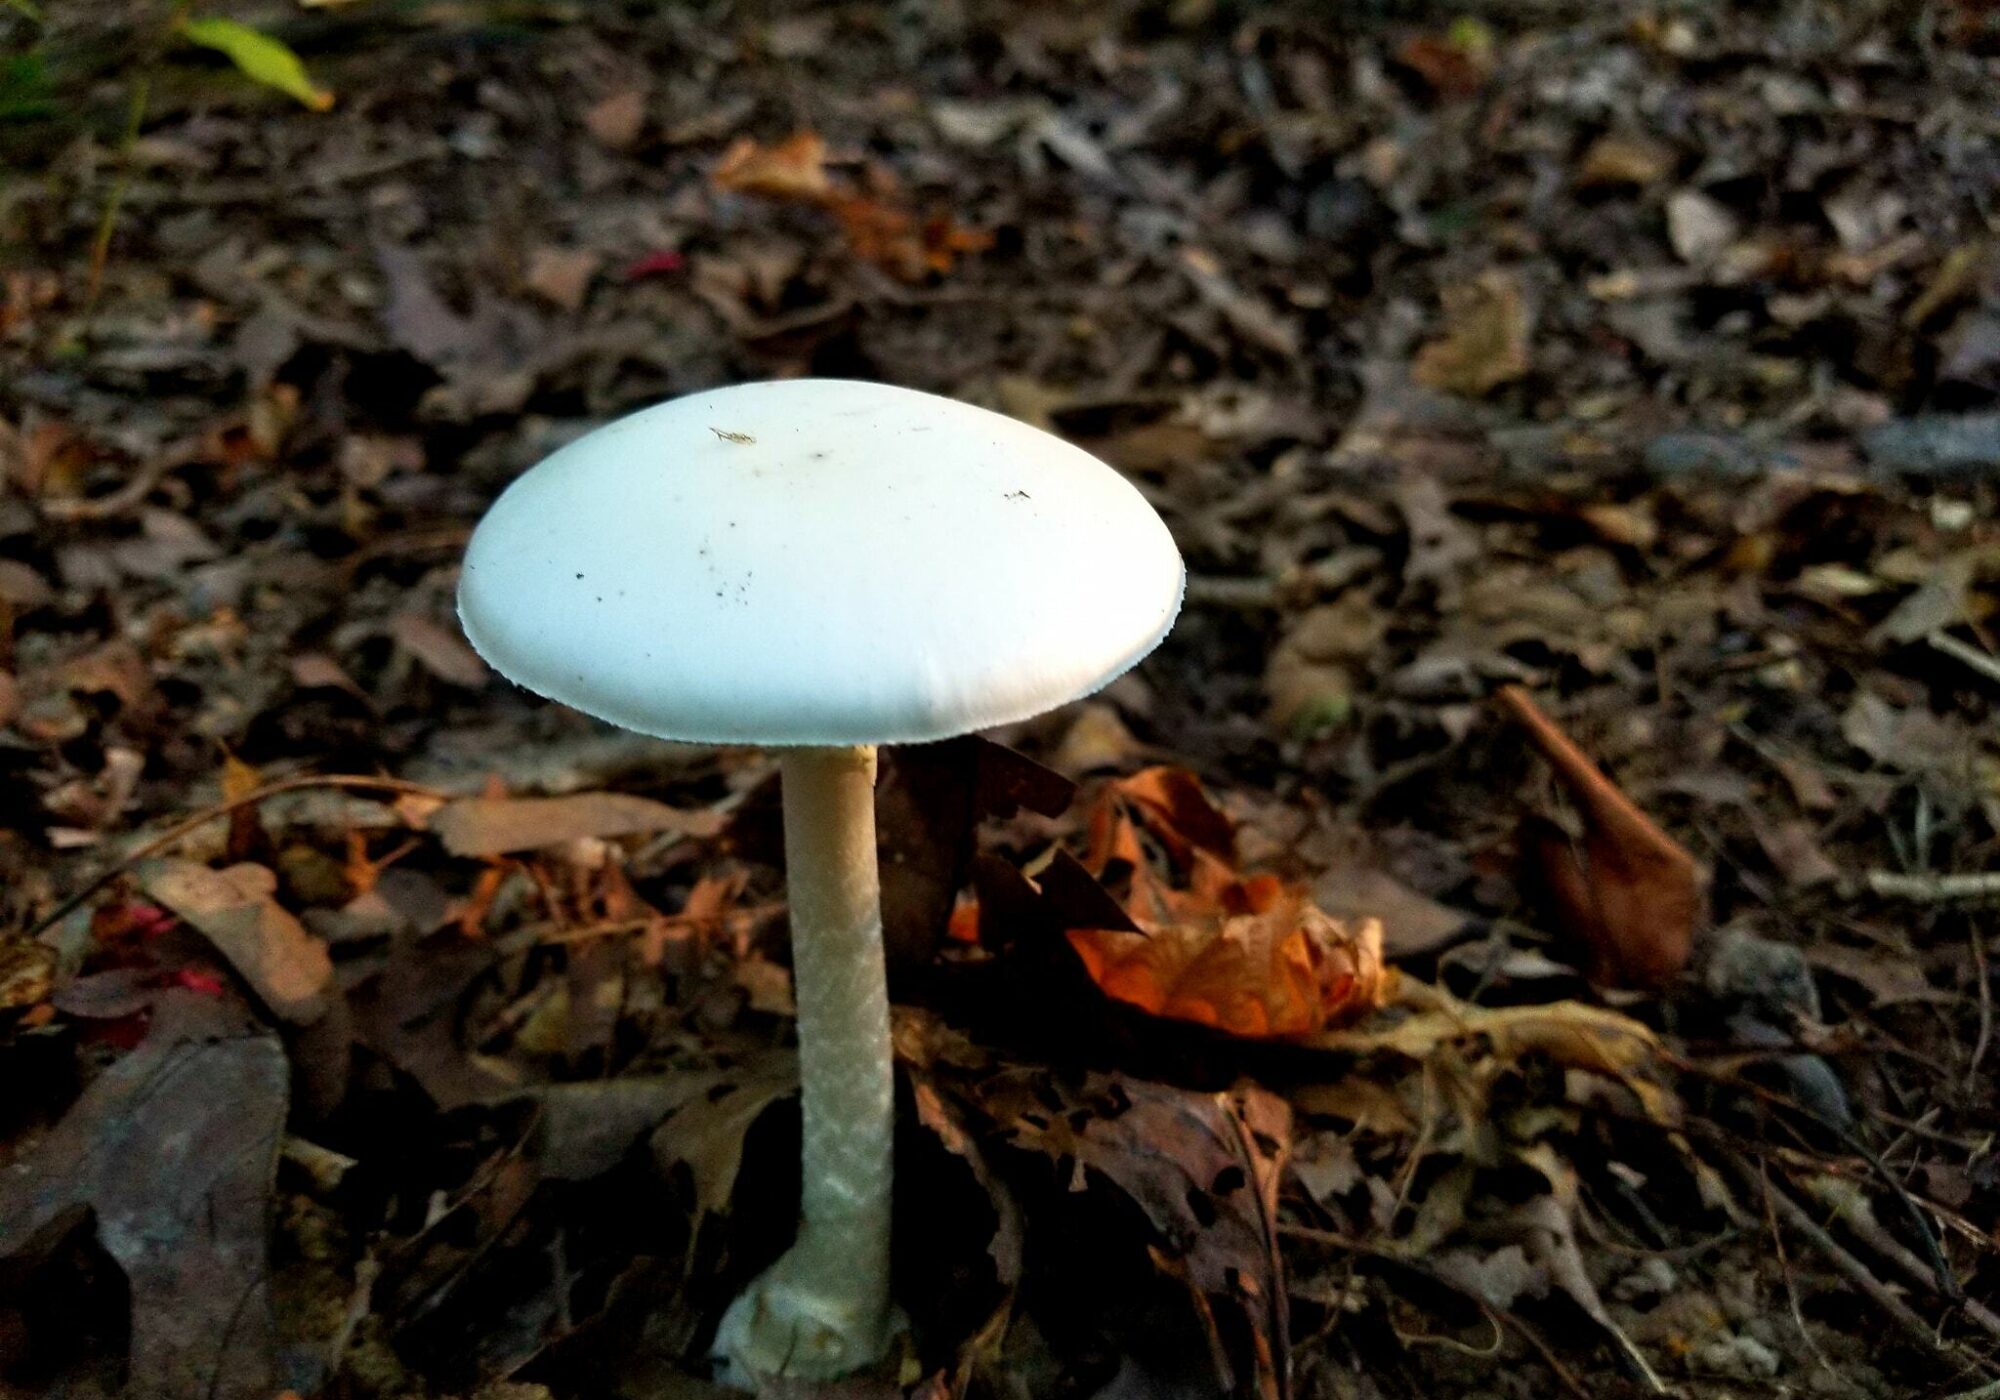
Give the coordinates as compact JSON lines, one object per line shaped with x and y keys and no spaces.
{"x":1629,"y":893}
{"x":795,"y":168}
{"x":876,"y":225}
{"x":898,"y":242}
{"x":1282,"y":970}
{"x":1245,"y":954}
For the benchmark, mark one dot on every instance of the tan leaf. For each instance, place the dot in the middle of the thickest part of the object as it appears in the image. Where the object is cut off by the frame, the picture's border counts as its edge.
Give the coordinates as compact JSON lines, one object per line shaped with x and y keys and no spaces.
{"x":287,"y":967}
{"x":491,"y":826}
{"x":706,"y":1134}
{"x":616,"y":121}
{"x":795,"y":168}
{"x":1615,"y":159}
{"x":444,"y":653}
{"x":1485,"y":343}
{"x":562,"y":276}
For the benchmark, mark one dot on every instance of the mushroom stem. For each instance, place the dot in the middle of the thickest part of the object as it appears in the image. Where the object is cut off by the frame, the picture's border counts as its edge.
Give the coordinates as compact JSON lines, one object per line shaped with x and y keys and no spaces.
{"x":822,"y":1310}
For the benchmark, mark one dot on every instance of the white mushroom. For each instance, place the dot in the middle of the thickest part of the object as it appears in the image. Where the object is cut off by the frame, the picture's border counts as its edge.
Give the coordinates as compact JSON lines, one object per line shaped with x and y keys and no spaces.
{"x":823,"y":565}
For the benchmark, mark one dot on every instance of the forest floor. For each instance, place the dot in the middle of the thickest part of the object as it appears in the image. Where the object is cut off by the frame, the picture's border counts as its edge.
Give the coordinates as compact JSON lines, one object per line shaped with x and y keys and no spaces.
{"x":1522,"y":383}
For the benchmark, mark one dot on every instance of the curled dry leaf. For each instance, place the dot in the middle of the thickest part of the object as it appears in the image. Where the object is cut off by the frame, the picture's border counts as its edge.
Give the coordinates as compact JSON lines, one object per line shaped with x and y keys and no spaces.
{"x":1278,"y":967}
{"x":1627,"y":892}
{"x":1248,"y":955}
{"x":443,"y":652}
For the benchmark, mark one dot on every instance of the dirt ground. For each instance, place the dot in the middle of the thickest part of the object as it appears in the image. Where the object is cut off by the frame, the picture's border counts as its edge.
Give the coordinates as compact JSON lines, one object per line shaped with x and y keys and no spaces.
{"x":1529,"y":387}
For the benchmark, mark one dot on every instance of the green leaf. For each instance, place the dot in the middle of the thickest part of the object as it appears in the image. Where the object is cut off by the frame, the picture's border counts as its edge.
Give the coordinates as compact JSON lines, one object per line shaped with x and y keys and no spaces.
{"x":25,"y":91}
{"x":261,"y":58}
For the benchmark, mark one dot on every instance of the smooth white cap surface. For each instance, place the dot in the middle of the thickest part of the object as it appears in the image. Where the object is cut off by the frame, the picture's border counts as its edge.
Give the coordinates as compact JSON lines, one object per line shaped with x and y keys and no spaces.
{"x":818,"y":561}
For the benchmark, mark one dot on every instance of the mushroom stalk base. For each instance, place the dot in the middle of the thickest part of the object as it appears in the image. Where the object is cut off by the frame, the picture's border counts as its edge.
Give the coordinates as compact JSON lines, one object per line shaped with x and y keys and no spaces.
{"x":822,"y":1310}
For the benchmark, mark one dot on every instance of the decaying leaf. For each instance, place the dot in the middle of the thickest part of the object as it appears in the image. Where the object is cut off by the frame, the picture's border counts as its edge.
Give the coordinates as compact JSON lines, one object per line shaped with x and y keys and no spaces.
{"x":1277,"y":967}
{"x":876,"y":225}
{"x":1248,"y":955}
{"x":706,"y":1134}
{"x":1412,"y":924}
{"x":443,"y":652}
{"x":1627,"y":892}
{"x":1205,"y":1168}
{"x":286,"y":966}
{"x":173,"y":1149}
{"x":1485,"y":343}
{"x":795,"y":168}
{"x":1569,"y":1033}
{"x":491,"y":826}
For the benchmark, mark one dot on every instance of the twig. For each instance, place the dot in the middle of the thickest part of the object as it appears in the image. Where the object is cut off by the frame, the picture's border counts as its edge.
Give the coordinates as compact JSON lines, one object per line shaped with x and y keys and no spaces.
{"x":1935,"y":889}
{"x":107,"y":222}
{"x":365,"y":1273}
{"x":1985,"y":1036}
{"x":355,"y":781}
{"x":1494,"y":1313}
{"x":1851,"y":1210}
{"x":1989,"y":1391}
{"x":132,"y":494}
{"x":1791,"y":1280}
{"x":1301,"y":582}
{"x":1972,"y":656}
{"x":1856,"y":1272}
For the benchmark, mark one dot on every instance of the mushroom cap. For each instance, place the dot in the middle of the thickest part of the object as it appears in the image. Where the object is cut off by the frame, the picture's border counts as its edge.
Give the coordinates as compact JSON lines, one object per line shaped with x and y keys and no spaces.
{"x":818,"y":561}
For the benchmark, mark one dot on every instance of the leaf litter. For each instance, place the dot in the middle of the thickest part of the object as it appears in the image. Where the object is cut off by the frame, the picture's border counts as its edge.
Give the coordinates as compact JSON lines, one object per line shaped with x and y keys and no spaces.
{"x":1642,"y":361}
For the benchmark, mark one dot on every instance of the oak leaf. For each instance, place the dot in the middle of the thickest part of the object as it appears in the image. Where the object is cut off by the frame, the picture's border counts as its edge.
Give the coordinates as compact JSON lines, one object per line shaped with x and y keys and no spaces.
{"x":1245,"y":954}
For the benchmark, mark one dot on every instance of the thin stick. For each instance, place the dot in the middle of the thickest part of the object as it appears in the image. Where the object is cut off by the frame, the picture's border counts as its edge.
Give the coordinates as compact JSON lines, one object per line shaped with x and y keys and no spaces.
{"x":1300,"y":583}
{"x":1972,"y":656}
{"x":127,"y":497}
{"x":1935,"y":889}
{"x":1791,"y":1280}
{"x":1417,"y":1266}
{"x":107,"y":223}
{"x":1985,"y":1037}
{"x":1856,"y":1272}
{"x":353,"y":781}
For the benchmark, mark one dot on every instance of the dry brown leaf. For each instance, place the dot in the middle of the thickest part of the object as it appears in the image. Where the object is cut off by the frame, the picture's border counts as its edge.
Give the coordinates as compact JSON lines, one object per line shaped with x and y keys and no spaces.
{"x":442,"y":651}
{"x":1485,"y":343}
{"x":286,"y":966}
{"x":562,"y":276}
{"x":1205,"y":1168}
{"x":491,"y":826}
{"x":795,"y":168}
{"x":706,"y":1134}
{"x":1412,"y":923}
{"x":901,"y":243}
{"x":616,"y":121}
{"x":1615,"y":159}
{"x":1627,"y":892}
{"x":27,"y":972}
